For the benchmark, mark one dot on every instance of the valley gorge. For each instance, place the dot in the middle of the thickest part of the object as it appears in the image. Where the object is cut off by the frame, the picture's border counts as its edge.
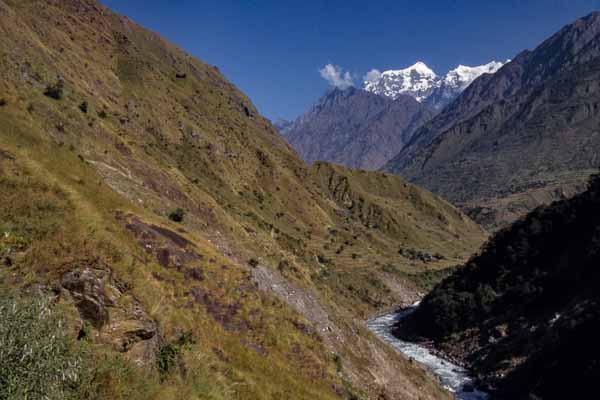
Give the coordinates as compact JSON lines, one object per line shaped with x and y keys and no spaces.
{"x":424,"y":237}
{"x":525,"y":139}
{"x":523,"y":313}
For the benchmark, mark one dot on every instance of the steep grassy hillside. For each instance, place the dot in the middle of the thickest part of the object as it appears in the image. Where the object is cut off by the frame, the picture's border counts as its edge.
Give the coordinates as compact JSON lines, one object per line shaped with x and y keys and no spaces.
{"x":525,"y":313}
{"x":183,"y":236}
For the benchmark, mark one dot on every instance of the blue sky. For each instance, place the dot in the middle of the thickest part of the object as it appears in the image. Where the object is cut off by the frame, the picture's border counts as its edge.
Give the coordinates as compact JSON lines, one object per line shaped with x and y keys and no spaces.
{"x":273,"y":50}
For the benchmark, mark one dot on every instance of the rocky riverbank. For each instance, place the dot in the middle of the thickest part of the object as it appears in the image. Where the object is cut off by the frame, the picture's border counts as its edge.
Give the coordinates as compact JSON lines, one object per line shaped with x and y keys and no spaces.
{"x":453,"y":377}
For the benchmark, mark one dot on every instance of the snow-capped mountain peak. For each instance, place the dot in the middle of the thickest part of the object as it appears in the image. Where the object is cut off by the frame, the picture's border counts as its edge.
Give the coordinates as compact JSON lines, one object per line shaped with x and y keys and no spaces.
{"x":419,"y":68}
{"x":424,"y":85}
{"x":463,"y":75}
{"x":417,"y":81}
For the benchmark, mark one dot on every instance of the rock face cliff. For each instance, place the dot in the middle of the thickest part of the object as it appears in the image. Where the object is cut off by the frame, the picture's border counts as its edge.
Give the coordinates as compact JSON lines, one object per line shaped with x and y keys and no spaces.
{"x":145,"y":195}
{"x":525,"y":313}
{"x":356,"y":128}
{"x":521,"y":137}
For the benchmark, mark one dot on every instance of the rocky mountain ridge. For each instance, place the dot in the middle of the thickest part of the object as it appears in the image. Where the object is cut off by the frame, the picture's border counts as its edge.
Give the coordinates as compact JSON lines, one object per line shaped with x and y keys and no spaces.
{"x":282,"y":125}
{"x":356,"y":128}
{"x":366,"y":128}
{"x":524,"y":136}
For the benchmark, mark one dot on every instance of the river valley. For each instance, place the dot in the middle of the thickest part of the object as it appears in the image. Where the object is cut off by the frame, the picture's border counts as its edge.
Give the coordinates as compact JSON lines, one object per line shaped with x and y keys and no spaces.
{"x":453,"y":377}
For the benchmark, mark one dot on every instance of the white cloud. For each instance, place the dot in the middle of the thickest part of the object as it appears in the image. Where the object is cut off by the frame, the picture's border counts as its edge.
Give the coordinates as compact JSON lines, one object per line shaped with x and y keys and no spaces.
{"x":336,"y":77}
{"x":372,"y":76}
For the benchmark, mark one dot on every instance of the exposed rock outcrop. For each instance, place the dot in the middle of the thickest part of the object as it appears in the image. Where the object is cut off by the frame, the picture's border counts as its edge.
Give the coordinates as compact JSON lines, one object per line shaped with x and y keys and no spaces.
{"x":109,"y":306}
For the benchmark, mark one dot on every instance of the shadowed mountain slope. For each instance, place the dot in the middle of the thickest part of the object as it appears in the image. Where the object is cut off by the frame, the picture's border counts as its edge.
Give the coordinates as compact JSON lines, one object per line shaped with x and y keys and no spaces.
{"x":356,"y":128}
{"x":525,"y":313}
{"x":521,"y":137}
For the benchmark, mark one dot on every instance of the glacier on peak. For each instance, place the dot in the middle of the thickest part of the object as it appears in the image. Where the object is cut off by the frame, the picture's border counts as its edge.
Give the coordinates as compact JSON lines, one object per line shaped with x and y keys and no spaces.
{"x":424,"y":85}
{"x":463,"y":75}
{"x":419,"y":67}
{"x":417,"y":81}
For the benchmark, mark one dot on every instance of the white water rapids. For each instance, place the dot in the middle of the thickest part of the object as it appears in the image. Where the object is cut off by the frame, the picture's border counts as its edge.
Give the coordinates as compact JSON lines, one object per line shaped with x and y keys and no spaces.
{"x":453,"y":377}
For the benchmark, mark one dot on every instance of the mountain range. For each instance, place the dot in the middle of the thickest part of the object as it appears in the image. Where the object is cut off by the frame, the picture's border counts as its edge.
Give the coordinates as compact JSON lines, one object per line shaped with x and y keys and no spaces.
{"x":420,"y":82}
{"x":365,"y":128}
{"x":506,"y":137}
{"x":524,"y":136}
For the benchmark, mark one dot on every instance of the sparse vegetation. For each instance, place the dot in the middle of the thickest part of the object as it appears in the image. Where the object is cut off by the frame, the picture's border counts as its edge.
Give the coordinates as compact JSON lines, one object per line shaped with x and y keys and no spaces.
{"x":322,"y":259}
{"x":337,"y":360}
{"x":419,"y":255}
{"x":41,"y":362}
{"x":425,"y":280}
{"x":56,"y":90}
{"x":177,"y":215}
{"x":85,"y":333}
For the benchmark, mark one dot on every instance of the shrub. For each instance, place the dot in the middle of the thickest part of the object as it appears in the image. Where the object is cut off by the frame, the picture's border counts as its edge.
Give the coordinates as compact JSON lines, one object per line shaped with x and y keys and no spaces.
{"x":38,"y":361}
{"x":3,"y":102}
{"x":167,"y":358}
{"x":322,"y":259}
{"x":177,"y":215}
{"x":55,"y":91}
{"x":85,"y":333}
{"x":84,"y":107}
{"x":337,"y":360}
{"x":169,"y":354}
{"x":102,"y":114}
{"x":36,"y":357}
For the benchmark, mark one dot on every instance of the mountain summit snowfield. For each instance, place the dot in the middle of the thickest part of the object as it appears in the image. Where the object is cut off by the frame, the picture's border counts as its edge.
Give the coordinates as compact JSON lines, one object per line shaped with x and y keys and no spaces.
{"x":417,"y":81}
{"x":424,"y":85}
{"x":463,"y":75}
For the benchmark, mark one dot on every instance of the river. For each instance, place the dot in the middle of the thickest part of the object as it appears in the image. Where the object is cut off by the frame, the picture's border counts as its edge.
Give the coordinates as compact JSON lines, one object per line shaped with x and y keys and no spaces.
{"x":453,"y":377}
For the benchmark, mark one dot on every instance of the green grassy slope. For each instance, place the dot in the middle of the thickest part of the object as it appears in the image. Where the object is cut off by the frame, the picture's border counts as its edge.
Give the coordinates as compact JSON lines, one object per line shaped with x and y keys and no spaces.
{"x":140,"y":129}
